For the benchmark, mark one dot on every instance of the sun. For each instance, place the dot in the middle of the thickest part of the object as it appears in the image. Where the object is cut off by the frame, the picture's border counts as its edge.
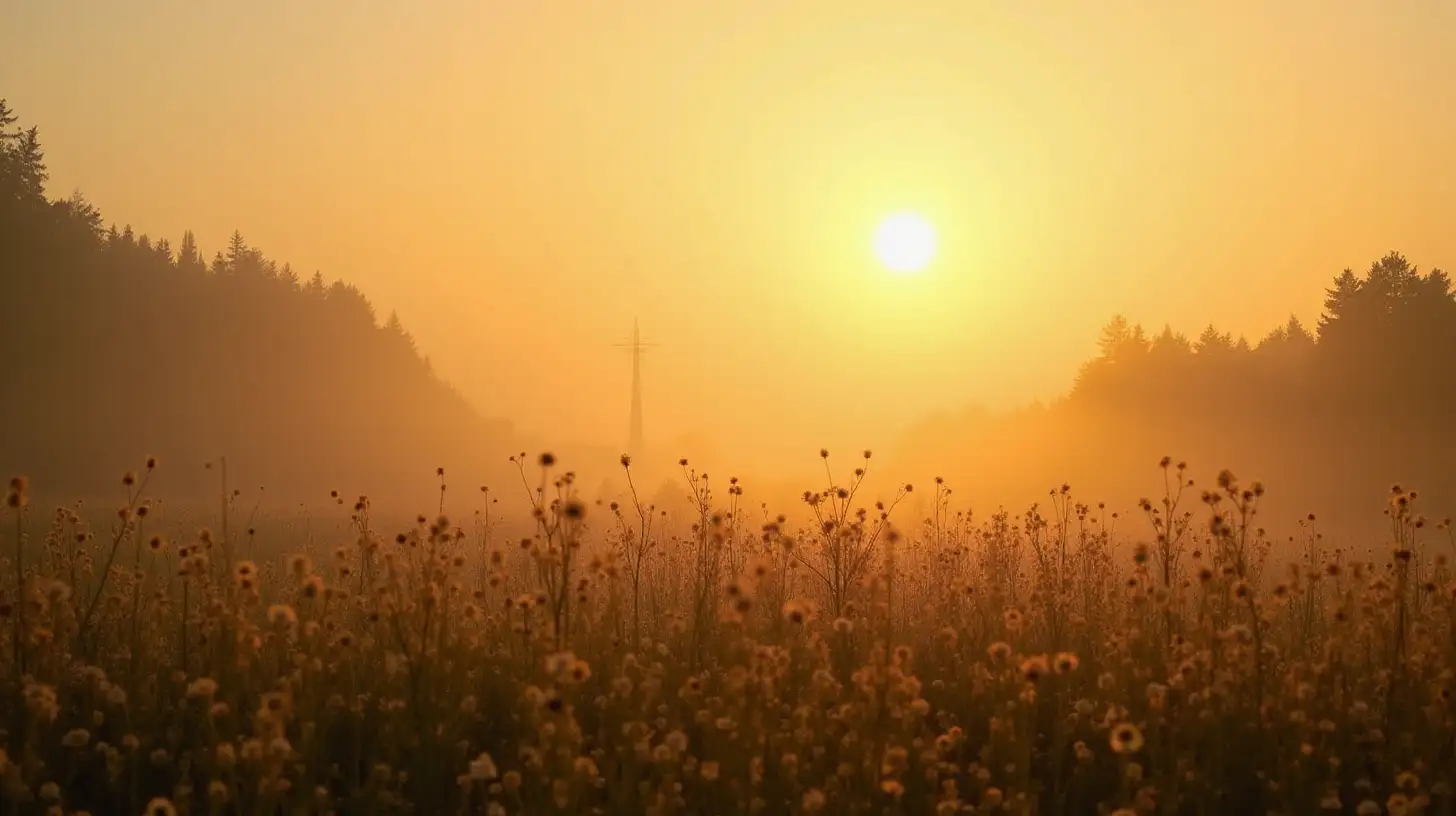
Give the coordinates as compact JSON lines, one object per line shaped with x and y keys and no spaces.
{"x":905,"y":243}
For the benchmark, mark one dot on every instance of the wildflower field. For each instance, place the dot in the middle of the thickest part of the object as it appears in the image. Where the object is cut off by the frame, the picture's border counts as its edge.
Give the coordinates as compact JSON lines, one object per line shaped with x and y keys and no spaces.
{"x":716,"y":659}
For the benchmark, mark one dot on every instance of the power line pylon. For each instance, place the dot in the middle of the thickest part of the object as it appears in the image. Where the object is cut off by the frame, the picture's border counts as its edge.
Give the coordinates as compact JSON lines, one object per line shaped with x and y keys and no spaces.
{"x":634,"y":431}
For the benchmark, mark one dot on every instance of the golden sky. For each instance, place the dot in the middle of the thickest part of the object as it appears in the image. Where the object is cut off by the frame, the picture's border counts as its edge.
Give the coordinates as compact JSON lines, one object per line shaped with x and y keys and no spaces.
{"x":522,"y":178}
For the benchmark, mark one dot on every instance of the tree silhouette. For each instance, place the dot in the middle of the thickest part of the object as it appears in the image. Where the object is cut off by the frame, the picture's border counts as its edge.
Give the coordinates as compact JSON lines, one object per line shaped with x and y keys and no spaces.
{"x":119,"y":348}
{"x":1333,"y":416}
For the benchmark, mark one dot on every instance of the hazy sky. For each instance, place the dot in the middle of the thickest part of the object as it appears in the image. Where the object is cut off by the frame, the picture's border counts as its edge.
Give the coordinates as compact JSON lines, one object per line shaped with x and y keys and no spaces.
{"x":521,"y":178}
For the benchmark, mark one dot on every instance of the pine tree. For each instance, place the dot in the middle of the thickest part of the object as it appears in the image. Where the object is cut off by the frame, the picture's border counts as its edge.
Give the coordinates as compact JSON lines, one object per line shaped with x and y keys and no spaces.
{"x":189,"y":259}
{"x":1121,"y":340}
{"x":1394,"y":280}
{"x":1212,"y":342}
{"x":207,"y":364}
{"x":1114,"y":335}
{"x":1297,"y":335}
{"x":1340,"y":301}
{"x":23,"y":171}
{"x":1170,"y":342}
{"x":83,"y":214}
{"x":395,"y":329}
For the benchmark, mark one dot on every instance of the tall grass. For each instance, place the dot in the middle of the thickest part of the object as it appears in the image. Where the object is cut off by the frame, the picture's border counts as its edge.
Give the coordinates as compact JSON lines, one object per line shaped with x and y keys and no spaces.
{"x":637,"y":659}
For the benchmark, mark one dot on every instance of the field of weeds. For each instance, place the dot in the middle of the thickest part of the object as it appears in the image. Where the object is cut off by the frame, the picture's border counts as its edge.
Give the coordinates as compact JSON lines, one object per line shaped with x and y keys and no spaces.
{"x":711,"y":659}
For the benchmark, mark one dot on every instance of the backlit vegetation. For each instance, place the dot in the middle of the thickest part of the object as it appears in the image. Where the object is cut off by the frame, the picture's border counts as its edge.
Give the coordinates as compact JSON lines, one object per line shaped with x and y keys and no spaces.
{"x":706,"y":658}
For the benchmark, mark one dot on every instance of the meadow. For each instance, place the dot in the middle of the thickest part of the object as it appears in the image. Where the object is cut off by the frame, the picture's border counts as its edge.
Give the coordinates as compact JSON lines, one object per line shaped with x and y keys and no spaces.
{"x":715,"y":659}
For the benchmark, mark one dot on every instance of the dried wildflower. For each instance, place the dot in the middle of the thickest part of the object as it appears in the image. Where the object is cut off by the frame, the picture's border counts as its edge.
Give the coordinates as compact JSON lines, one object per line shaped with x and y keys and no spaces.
{"x":76,"y":738}
{"x":160,"y":806}
{"x":41,"y":701}
{"x":282,"y":615}
{"x":1012,"y":619}
{"x":300,"y":565}
{"x":203,"y":688}
{"x":677,"y":741}
{"x":1034,"y":668}
{"x":58,"y":592}
{"x":585,"y":767}
{"x":1126,"y":739}
{"x":579,"y":672}
{"x":313,"y":586}
{"x":483,"y":769}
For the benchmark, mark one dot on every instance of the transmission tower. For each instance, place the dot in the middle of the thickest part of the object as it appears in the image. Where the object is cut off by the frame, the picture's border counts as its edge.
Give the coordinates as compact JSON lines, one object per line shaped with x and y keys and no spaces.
{"x":634,"y":432}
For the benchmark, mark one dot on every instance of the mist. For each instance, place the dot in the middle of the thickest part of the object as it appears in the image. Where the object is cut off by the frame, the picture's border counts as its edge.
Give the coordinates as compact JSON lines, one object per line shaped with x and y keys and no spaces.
{"x":650,"y":407}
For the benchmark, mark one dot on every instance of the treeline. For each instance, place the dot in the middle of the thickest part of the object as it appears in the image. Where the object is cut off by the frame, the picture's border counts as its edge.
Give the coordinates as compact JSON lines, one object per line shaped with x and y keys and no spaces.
{"x":1330,"y":417}
{"x":117,"y":346}
{"x":1384,"y":351}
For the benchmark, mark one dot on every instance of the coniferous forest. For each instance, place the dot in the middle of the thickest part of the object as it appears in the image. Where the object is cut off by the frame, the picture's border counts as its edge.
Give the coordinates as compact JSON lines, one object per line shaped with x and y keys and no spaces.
{"x":123,"y":346}
{"x":1335,"y":413}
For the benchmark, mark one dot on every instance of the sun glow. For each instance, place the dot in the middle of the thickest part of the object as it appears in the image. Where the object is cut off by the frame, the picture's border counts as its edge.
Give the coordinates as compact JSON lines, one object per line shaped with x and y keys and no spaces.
{"x":904,"y":243}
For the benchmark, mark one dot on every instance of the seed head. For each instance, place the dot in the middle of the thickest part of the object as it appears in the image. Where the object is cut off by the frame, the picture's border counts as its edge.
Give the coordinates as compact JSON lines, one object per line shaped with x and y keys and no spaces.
{"x":1126,"y":739}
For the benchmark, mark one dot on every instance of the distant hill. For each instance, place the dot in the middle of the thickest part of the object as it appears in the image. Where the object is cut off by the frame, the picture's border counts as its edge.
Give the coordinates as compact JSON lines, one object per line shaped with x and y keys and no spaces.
{"x":117,"y":346}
